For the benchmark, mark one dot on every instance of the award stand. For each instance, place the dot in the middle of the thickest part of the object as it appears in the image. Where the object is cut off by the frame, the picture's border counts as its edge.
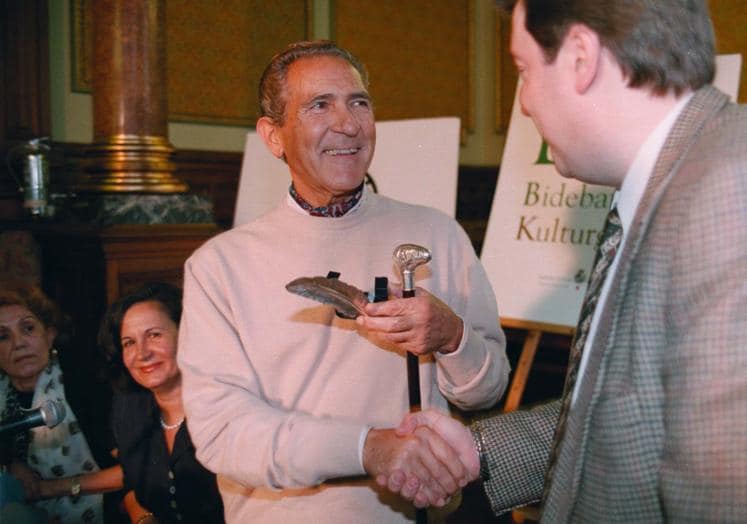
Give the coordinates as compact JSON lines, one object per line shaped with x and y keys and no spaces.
{"x":526,"y":357}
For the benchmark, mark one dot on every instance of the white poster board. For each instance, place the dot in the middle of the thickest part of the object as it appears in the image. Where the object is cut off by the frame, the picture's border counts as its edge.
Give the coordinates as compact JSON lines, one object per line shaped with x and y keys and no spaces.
{"x":415,"y":161}
{"x":540,"y":239}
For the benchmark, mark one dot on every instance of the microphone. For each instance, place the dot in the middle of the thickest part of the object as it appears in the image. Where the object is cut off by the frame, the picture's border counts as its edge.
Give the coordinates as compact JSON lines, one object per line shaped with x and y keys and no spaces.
{"x":49,"y":414}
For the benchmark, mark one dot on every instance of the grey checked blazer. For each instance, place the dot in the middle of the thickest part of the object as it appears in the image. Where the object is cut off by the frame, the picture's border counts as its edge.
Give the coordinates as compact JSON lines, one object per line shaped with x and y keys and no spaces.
{"x":658,"y":432}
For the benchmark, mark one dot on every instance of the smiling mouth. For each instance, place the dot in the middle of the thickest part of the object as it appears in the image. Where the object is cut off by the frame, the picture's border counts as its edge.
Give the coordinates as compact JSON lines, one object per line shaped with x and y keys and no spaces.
{"x":340,"y":152}
{"x":148,"y":369}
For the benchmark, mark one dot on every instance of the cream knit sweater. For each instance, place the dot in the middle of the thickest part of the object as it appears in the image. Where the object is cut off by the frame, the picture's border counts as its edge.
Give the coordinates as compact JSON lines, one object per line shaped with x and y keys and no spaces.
{"x":279,"y":391}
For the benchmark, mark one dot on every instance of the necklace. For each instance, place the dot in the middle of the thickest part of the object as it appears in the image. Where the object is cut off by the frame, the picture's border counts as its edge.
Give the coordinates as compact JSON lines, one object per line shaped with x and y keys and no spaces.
{"x":170,"y":426}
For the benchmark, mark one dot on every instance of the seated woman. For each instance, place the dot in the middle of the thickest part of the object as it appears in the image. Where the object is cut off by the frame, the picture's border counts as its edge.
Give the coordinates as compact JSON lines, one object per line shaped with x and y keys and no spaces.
{"x":166,"y":483}
{"x":31,"y":376}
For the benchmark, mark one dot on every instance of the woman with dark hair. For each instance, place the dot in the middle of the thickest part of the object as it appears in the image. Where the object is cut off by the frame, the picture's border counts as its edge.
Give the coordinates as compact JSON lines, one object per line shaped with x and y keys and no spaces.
{"x":52,"y":463}
{"x":165,"y":483}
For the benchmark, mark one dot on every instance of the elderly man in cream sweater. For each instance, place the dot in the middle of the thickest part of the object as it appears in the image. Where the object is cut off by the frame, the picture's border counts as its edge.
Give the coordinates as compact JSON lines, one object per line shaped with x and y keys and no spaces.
{"x":284,"y":397}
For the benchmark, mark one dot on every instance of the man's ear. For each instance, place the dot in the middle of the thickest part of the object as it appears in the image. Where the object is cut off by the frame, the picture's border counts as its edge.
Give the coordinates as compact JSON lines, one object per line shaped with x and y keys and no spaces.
{"x":268,"y":132}
{"x":586,"y":52}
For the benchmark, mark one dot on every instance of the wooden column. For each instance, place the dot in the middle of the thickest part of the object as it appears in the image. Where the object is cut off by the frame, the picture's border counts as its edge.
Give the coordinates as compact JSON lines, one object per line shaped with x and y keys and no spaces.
{"x":24,"y":88}
{"x":131,"y":152}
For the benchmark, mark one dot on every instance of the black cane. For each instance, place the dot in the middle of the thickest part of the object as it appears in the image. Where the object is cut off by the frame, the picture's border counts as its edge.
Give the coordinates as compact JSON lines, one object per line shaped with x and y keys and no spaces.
{"x":408,"y":257}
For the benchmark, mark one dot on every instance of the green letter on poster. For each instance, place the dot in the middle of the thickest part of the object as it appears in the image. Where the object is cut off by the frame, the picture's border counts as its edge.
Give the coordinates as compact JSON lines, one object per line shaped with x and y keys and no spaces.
{"x":544,"y":154}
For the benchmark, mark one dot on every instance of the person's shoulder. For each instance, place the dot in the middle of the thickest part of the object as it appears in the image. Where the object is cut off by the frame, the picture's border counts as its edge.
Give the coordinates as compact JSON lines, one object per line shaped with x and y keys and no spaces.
{"x":132,"y":414}
{"x":241,"y":235}
{"x":224,"y":245}
{"x":132,"y":400}
{"x":389,"y":205}
{"x":722,"y":117}
{"x":723,"y":142}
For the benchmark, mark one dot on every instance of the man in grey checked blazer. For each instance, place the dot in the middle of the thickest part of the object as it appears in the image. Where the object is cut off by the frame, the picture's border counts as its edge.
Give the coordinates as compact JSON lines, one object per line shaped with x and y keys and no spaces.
{"x":657,"y":428}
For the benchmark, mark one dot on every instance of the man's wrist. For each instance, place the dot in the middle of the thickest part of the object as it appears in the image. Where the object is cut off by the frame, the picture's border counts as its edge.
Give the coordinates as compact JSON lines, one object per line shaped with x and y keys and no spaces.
{"x":479,"y":442}
{"x":456,"y":340}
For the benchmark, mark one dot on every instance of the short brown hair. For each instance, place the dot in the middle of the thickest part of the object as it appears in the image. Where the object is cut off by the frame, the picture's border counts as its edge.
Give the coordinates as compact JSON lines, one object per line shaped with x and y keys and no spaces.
{"x":29,"y":296}
{"x":666,"y":45}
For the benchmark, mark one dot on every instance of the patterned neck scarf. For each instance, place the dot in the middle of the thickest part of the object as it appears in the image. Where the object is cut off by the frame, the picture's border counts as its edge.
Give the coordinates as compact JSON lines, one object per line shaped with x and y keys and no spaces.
{"x":58,"y":452}
{"x":335,"y":210}
{"x":15,"y":404}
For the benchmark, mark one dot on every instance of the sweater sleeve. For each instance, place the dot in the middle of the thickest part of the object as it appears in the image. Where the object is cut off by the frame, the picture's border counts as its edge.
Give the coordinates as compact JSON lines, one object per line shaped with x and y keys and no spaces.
{"x":476,"y":374}
{"x":236,"y":432}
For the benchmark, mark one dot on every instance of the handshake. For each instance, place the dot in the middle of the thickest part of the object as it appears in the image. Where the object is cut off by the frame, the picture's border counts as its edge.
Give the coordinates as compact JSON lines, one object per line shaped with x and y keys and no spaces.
{"x":426,"y":459}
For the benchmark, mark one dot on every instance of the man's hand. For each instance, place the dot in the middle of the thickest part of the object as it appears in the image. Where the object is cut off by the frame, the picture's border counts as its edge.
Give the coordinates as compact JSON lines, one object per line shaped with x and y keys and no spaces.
{"x":422,"y":324}
{"x":453,"y":432}
{"x":455,"y":435}
{"x":420,"y":466}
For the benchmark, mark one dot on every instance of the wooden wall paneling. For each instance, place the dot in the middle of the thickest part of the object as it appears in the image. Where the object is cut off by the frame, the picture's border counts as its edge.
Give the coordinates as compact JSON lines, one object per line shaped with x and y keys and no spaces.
{"x":419,"y":55}
{"x":85,"y":267}
{"x":730,"y":23}
{"x":214,"y":175}
{"x":81,"y":45}
{"x":5,"y":44}
{"x":26,"y":63}
{"x":216,"y":52}
{"x":73,"y":276}
{"x":138,"y":253}
{"x":24,"y":86}
{"x":505,"y":71}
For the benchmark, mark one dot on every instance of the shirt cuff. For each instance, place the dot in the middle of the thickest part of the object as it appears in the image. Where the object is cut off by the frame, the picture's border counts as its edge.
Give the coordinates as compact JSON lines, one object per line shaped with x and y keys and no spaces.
{"x":362,"y":444}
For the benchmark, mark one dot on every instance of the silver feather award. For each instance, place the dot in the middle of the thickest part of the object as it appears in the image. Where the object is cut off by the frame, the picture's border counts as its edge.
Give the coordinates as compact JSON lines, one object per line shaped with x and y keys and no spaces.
{"x":348,"y":300}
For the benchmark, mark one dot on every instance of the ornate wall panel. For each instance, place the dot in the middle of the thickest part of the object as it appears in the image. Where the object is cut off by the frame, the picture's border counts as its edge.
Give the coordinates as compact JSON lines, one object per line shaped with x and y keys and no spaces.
{"x":216,"y":52}
{"x":505,"y":72}
{"x":730,"y":22}
{"x":81,"y":35}
{"x":419,"y":54}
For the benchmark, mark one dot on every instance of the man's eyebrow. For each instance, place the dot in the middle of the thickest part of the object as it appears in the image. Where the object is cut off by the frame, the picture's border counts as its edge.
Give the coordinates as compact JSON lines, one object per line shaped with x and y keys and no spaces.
{"x":322,"y":96}
{"x":326,"y":97}
{"x":329,"y":96}
{"x":360,"y":94}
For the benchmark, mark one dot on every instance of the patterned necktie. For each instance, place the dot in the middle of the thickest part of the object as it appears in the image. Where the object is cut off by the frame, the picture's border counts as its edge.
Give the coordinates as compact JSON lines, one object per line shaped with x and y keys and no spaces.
{"x":608,"y":244}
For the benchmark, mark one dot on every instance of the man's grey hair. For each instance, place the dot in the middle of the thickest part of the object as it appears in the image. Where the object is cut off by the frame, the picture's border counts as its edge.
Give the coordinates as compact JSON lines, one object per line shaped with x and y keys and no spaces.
{"x":272,"y":84}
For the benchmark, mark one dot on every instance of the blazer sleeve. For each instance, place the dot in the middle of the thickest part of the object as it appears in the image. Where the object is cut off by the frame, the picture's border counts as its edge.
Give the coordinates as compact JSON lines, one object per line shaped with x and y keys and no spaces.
{"x":517,"y":446}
